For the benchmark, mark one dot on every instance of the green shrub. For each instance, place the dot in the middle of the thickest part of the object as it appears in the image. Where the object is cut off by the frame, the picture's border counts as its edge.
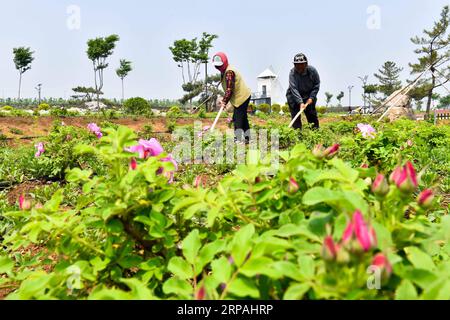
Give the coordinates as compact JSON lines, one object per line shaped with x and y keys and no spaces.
{"x":321,"y":110}
{"x":43,"y":107}
{"x":251,"y":107}
{"x":171,"y":126}
{"x":174,"y":112}
{"x":285,"y":108}
{"x":137,"y":106}
{"x":276,"y":108}
{"x":7,"y":108}
{"x":264,"y":107}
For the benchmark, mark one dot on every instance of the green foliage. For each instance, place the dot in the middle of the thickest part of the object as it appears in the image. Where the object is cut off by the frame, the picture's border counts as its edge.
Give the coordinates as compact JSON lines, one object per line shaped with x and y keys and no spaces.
{"x":264,"y":108}
{"x":174,"y":112}
{"x":137,"y":106}
{"x":131,"y":235}
{"x":23,"y":57}
{"x":276,"y":108}
{"x":43,"y":107}
{"x":388,"y":77}
{"x":16,"y":131}
{"x":124,"y":69}
{"x":321,"y":110}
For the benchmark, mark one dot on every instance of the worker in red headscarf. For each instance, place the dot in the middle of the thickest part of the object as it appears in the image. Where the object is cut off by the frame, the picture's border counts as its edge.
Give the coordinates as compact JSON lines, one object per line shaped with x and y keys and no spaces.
{"x":237,"y":93}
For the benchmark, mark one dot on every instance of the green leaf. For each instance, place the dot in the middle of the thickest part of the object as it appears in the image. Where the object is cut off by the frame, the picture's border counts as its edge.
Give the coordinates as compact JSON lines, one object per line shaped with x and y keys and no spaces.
{"x":296,"y":291}
{"x":207,"y":254}
{"x":288,"y":269}
{"x":191,"y":245}
{"x":130,"y":261}
{"x":179,"y":267}
{"x":406,"y":291}
{"x":181,"y":288}
{"x":241,"y":244}
{"x":221,"y":270}
{"x":307,"y":267}
{"x":346,"y":171}
{"x":440,"y":290}
{"x":53,"y":204}
{"x":260,"y":265}
{"x":320,"y":195}
{"x":6,"y":264}
{"x":244,"y":288}
{"x":76,"y":175}
{"x":419,"y":259}
{"x":139,"y":291}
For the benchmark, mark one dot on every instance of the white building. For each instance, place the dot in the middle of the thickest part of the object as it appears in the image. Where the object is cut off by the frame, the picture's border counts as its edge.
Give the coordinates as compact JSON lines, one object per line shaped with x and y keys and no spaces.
{"x":269,"y":89}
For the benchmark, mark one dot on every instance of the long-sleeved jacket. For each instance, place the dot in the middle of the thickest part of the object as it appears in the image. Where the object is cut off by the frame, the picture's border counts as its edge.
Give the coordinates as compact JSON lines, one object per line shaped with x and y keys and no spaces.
{"x":303,"y":86}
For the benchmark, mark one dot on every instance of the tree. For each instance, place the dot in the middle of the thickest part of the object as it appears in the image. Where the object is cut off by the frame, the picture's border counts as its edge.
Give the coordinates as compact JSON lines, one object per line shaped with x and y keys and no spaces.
{"x":444,"y":102}
{"x":85,"y":93}
{"x":123,"y":71}
{"x":339,"y":97}
{"x":434,"y":54}
{"x":328,"y":96}
{"x":369,"y":91}
{"x":23,"y":57}
{"x":98,"y":51}
{"x":388,"y":77}
{"x":190,"y":54}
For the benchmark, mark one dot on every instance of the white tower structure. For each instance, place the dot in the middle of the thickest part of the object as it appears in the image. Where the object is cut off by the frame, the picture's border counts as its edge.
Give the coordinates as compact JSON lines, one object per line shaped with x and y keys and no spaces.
{"x":269,"y":86}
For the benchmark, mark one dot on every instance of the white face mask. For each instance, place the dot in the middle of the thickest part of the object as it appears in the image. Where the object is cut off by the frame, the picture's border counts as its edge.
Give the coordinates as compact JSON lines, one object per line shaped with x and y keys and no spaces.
{"x":217,"y":61}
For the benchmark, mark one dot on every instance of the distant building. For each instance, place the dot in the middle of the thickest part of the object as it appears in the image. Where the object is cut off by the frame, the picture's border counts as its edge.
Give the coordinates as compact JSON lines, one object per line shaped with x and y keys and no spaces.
{"x":269,"y":90}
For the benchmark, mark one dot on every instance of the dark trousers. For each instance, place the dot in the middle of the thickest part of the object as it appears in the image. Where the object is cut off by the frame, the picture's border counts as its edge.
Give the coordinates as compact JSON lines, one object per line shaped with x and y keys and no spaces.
{"x":310,"y":113}
{"x":240,"y":120}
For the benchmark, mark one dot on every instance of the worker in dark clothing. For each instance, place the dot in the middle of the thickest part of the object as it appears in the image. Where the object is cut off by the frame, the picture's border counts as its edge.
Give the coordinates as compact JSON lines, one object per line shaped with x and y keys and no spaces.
{"x":304,"y":85}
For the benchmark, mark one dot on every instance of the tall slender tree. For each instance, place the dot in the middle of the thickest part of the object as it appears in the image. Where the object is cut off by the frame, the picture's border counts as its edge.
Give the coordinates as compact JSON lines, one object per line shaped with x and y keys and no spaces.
{"x":328,"y":97}
{"x":123,"y":71}
{"x":98,"y":51}
{"x":23,"y":57}
{"x":339,"y":97}
{"x":190,"y":55}
{"x":434,"y":53}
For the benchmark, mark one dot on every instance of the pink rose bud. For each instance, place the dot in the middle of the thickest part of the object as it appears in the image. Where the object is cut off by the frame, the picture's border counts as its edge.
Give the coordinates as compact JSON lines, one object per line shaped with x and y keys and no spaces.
{"x":329,"y":250}
{"x":293,"y":186}
{"x":357,"y":236}
{"x":380,"y":186}
{"x":395,"y":175}
{"x":407,"y":181}
{"x":425,"y":199}
{"x":364,"y":166}
{"x":361,"y":231}
{"x":332,"y":151}
{"x":409,"y":143}
{"x":133,"y":164}
{"x":200,"y":181}
{"x":24,"y":204}
{"x":381,"y":261}
{"x":200,"y":295}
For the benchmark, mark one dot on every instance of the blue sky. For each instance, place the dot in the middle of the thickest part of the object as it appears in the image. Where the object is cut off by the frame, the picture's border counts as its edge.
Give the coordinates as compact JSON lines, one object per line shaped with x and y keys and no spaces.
{"x":255,"y":34}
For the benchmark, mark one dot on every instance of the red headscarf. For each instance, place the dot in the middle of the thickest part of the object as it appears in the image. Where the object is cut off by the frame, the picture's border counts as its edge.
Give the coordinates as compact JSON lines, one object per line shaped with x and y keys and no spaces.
{"x":223,"y":57}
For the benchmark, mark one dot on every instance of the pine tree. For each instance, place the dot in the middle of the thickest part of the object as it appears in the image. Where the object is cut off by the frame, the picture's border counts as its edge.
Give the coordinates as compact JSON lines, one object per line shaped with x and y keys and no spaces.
{"x":434,"y":52}
{"x":388,"y":78}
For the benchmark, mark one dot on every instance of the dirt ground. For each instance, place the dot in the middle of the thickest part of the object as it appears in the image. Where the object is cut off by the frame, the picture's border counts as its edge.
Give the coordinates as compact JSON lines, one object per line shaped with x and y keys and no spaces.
{"x":37,"y":127}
